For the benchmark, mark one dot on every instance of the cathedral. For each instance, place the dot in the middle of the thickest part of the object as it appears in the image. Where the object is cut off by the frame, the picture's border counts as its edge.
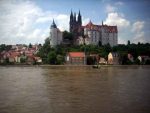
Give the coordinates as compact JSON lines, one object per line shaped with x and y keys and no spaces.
{"x":91,"y":33}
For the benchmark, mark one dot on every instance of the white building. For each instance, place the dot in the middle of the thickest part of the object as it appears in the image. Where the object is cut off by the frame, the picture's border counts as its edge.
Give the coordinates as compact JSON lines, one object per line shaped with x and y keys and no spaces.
{"x":82,"y":41}
{"x":55,"y":35}
{"x":113,"y":58}
{"x":101,"y":34}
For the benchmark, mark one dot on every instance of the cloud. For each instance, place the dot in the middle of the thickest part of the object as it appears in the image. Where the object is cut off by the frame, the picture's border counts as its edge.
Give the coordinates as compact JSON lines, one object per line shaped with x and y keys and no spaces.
{"x":139,"y":37}
{"x":139,"y":34}
{"x":18,"y":23}
{"x":25,"y":22}
{"x":119,"y":3}
{"x":110,"y":8}
{"x":85,"y":21}
{"x":62,"y":21}
{"x":138,"y":26}
{"x":126,"y":30}
{"x":121,"y":40}
{"x":115,"y":18}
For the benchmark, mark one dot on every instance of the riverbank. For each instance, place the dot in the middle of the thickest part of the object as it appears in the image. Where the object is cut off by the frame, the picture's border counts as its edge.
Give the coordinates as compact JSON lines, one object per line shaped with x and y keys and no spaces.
{"x":46,"y":65}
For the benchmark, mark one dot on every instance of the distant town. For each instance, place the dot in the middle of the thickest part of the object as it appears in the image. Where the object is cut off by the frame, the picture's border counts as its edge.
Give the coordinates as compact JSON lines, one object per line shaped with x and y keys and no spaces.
{"x":82,"y":45}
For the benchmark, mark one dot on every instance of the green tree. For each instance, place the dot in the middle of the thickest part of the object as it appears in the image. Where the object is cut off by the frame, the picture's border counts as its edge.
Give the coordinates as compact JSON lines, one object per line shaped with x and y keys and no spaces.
{"x":30,"y":45}
{"x":22,"y":60}
{"x":67,"y":35}
{"x":52,"y":57}
{"x":128,"y":42}
{"x":60,"y":59}
{"x":5,"y":47}
{"x":44,"y":50}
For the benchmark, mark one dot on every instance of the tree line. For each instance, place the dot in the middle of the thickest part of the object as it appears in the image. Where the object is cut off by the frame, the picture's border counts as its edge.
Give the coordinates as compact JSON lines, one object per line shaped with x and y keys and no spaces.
{"x":56,"y":55}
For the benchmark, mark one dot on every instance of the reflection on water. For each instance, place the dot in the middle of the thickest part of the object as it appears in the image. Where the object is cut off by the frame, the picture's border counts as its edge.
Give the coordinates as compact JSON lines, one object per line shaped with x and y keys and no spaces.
{"x":124,"y":89}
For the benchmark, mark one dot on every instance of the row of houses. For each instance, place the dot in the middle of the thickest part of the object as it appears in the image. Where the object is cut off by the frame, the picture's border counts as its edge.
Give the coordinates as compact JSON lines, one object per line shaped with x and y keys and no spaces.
{"x":27,"y":55}
{"x":79,"y":58}
{"x":20,"y":54}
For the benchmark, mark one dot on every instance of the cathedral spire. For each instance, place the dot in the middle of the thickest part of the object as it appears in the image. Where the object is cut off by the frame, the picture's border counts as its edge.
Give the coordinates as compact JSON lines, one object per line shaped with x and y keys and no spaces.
{"x":71,"y":15}
{"x":79,"y":13}
{"x":79,"y":19}
{"x":74,"y":17}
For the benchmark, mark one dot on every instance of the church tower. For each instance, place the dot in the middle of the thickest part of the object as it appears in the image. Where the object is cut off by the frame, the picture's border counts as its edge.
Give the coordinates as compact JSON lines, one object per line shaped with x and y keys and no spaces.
{"x":71,"y":21}
{"x":75,"y":25}
{"x":79,"y":19}
{"x":74,"y":18}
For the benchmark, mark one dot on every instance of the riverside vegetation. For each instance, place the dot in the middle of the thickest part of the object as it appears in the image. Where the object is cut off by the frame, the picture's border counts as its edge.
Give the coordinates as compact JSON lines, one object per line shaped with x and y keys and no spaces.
{"x":56,"y":55}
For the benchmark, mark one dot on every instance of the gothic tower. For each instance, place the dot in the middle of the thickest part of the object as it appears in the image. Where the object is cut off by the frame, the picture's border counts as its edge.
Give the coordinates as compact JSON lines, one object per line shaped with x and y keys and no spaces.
{"x":75,"y":25}
{"x":74,"y":18}
{"x":79,"y":19}
{"x":71,"y":22}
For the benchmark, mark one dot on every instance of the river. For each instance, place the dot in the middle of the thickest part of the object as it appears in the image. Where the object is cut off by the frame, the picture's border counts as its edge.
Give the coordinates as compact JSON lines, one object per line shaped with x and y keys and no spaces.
{"x":60,"y":89}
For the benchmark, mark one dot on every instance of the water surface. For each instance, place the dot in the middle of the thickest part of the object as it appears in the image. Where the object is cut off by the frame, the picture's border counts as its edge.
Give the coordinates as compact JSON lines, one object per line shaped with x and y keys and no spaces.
{"x":120,"y":89}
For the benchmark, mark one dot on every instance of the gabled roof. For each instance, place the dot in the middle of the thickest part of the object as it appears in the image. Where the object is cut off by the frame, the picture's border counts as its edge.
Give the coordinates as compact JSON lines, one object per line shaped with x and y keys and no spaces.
{"x":92,"y":26}
{"x":76,"y":54}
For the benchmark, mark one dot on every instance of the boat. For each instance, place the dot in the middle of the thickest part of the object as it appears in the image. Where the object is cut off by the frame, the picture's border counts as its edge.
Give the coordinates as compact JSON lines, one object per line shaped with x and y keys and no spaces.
{"x":96,"y":66}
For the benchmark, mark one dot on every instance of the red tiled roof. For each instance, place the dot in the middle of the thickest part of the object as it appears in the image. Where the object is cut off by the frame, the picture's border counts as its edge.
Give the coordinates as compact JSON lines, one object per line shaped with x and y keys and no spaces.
{"x":15,"y":54}
{"x":76,"y":54}
{"x":112,"y":29}
{"x":91,"y":26}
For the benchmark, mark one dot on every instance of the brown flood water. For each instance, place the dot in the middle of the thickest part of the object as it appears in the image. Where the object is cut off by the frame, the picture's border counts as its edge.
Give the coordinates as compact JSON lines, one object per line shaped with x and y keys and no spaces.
{"x":120,"y":89}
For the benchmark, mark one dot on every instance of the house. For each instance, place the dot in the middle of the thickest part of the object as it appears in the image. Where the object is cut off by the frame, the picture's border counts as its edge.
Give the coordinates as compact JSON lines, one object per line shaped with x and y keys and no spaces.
{"x":92,"y":59}
{"x":113,"y":58}
{"x":130,"y":57}
{"x":30,"y":60}
{"x":38,"y":60}
{"x":102,"y":60}
{"x":76,"y":58}
{"x":11,"y":59}
{"x":1,"y":58}
{"x":143,"y":59}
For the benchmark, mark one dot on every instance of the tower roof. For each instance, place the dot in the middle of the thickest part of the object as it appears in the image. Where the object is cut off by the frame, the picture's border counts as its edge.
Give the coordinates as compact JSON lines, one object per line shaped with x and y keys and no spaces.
{"x":79,"y":13}
{"x":53,"y":24}
{"x":71,"y":13}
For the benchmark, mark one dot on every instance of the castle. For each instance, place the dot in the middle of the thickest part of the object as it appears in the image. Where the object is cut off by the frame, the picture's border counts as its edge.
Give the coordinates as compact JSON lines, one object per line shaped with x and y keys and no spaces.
{"x":88,"y":34}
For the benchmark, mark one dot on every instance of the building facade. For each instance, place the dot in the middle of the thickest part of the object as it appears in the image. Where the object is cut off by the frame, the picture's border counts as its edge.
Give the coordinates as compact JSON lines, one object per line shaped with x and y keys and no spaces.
{"x":76,"y":58}
{"x":101,"y":34}
{"x":55,"y":35}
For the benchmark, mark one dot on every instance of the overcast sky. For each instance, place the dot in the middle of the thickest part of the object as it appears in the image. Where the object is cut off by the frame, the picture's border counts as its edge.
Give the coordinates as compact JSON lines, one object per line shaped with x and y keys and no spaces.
{"x":28,"y":21}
